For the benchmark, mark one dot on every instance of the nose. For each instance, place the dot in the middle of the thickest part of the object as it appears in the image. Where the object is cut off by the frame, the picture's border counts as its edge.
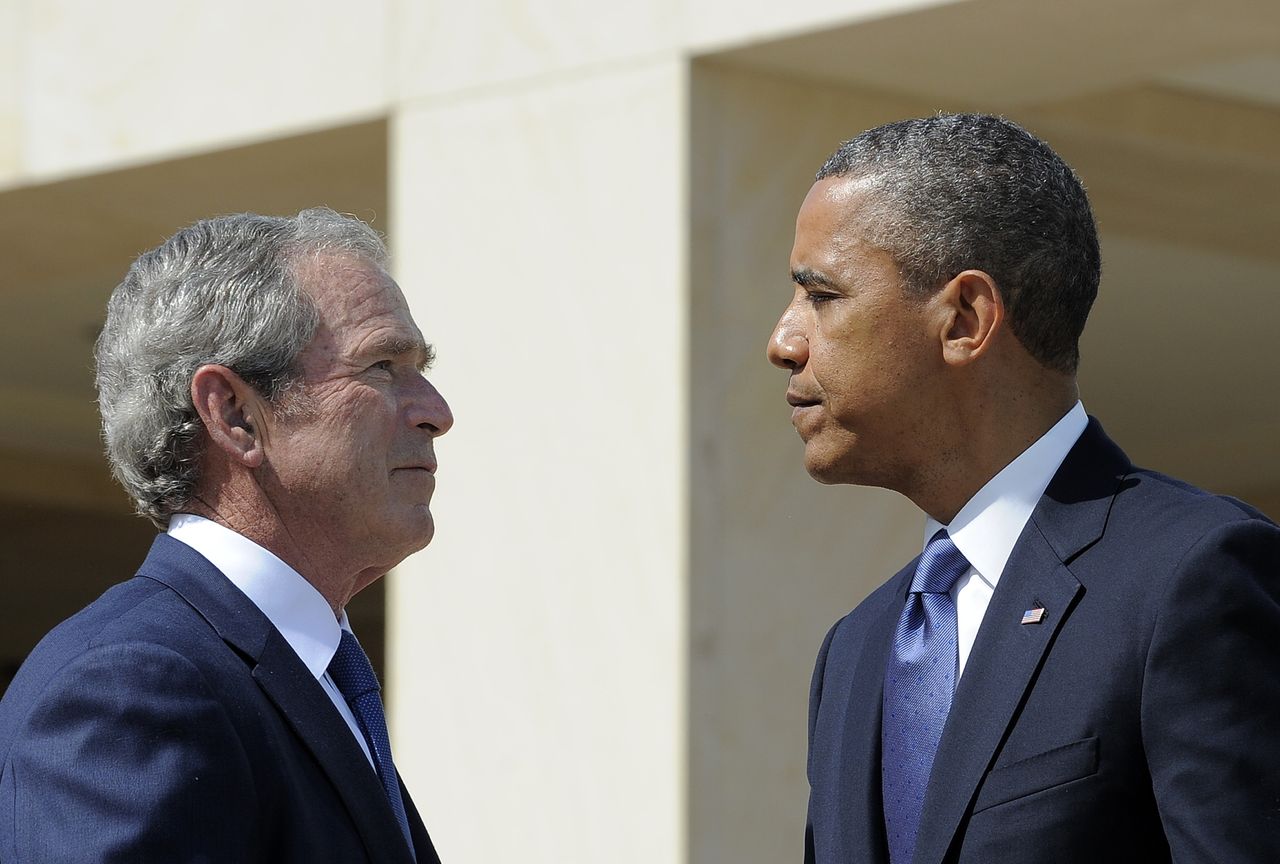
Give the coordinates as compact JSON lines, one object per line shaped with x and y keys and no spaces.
{"x":429,"y":411}
{"x":788,"y":346}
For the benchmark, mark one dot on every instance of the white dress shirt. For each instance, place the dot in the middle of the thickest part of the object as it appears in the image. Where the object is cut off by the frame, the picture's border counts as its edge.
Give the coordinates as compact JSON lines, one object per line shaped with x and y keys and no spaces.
{"x":291,"y":603}
{"x":987,"y":527}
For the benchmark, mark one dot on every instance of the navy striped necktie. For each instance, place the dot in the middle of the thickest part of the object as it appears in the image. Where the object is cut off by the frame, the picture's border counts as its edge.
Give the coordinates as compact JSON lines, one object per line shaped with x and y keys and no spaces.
{"x":919,"y":680}
{"x":352,"y":672}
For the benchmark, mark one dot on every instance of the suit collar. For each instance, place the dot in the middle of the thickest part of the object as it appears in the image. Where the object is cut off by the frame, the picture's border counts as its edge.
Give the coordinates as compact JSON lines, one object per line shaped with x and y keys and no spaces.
{"x":988,"y":526}
{"x":228,"y":611}
{"x":292,"y":604}
{"x":288,"y":684}
{"x":1072,"y":514}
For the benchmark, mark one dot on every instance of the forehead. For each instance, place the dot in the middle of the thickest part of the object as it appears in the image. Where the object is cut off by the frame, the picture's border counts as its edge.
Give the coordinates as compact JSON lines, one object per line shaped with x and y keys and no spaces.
{"x":348,"y":291}
{"x":832,"y":222}
{"x":836,"y":203}
{"x":361,"y":312}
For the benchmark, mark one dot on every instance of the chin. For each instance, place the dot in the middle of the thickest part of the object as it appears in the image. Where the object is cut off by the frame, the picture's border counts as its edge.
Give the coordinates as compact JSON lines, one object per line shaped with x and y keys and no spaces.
{"x":424,"y":529}
{"x":419,"y":534}
{"x":409,"y":535}
{"x":825,"y":466}
{"x":838,"y":468}
{"x":826,"y":474}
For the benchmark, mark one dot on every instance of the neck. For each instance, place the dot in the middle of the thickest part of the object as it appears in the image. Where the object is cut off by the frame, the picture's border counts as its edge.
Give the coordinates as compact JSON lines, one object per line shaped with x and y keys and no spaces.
{"x":984,"y":434}
{"x":252,"y":516}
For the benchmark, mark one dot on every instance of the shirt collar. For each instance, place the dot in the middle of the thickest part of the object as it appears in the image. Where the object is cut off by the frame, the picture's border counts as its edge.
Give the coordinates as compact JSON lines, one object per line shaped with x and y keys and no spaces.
{"x":987,"y":527}
{"x":291,"y":603}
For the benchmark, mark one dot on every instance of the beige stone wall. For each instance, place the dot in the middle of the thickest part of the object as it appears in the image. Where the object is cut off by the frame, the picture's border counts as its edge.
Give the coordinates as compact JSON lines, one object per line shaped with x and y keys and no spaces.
{"x":538,"y":703}
{"x":444,"y":48}
{"x":12,"y":35}
{"x":85,"y":90}
{"x":153,"y":79}
{"x":713,"y":25}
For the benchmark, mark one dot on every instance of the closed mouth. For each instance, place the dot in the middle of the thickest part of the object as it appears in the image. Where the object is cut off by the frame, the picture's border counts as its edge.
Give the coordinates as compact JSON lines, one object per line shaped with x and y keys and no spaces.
{"x":796,"y":401}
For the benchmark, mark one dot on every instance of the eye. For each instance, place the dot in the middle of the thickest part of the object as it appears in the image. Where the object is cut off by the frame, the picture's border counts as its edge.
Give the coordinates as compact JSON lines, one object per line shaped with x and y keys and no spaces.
{"x":382,"y":366}
{"x":817,"y":298}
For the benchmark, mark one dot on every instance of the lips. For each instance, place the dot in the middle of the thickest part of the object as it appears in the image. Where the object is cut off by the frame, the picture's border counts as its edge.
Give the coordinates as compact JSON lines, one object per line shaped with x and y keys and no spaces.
{"x":429,"y":467}
{"x":802,"y":411}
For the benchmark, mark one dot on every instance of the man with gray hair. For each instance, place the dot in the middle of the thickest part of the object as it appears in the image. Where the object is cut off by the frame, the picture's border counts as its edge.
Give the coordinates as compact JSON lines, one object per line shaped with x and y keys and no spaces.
{"x":263,"y":402}
{"x":1082,"y":665}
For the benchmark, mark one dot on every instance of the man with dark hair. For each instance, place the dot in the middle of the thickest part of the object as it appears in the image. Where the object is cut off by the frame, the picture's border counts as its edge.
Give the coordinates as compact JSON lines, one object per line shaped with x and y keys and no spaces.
{"x":1083,"y":665}
{"x":263,"y":402}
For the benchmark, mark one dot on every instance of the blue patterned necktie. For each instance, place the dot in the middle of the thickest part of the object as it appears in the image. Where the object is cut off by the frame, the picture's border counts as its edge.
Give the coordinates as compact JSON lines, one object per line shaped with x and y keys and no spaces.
{"x":919,"y":680}
{"x":351,"y":671}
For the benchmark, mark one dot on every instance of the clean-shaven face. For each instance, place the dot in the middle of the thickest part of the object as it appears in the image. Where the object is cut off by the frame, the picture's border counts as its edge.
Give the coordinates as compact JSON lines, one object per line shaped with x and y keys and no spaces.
{"x":857,"y":346}
{"x":355,"y":464}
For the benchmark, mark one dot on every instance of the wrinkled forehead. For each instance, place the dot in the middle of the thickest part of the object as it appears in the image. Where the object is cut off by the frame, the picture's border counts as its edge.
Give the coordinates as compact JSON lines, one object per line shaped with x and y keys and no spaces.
{"x":342,"y":283}
{"x":353,"y":296}
{"x":321,"y":272}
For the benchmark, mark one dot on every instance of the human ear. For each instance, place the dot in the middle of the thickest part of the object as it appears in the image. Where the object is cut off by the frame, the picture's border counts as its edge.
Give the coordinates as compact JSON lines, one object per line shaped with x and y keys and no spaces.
{"x":230,"y":410}
{"x":974,"y":314}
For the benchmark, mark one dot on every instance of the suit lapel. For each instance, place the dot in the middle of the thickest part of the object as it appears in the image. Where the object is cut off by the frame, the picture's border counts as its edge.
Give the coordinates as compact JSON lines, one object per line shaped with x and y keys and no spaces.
{"x":288,"y":684}
{"x":311,"y":714}
{"x":1002,"y":665}
{"x":860,"y":775}
{"x":1008,"y":655}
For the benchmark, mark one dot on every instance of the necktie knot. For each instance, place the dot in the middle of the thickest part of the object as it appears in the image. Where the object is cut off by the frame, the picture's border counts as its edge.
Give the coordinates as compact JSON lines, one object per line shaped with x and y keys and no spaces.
{"x":941,"y":566}
{"x":351,"y":670}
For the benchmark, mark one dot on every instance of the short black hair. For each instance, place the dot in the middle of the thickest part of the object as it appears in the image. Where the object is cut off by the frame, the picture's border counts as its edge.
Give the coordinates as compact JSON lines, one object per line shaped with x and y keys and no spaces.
{"x":955,"y":192}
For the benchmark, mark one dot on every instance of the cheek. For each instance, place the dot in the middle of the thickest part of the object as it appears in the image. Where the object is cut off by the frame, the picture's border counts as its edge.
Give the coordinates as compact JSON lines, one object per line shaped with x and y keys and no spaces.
{"x":859,"y":372}
{"x":837,"y":356}
{"x":365,"y":416}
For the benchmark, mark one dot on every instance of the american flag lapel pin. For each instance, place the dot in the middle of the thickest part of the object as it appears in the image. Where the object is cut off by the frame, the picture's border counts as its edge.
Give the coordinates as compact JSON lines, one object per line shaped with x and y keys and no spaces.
{"x":1034,"y":615}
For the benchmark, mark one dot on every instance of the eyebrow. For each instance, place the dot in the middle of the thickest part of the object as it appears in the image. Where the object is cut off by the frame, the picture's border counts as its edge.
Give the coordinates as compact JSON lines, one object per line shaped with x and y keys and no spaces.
{"x":399,"y":347}
{"x":807,"y":278}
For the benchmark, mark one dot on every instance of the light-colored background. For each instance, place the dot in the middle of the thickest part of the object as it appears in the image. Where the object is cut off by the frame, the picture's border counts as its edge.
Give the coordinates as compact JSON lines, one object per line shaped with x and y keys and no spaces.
{"x":604,"y":656}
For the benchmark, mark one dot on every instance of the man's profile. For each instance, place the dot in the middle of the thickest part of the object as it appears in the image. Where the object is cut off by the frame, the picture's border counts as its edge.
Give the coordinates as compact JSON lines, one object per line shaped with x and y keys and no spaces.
{"x":263,"y":403}
{"x":1083,"y":663}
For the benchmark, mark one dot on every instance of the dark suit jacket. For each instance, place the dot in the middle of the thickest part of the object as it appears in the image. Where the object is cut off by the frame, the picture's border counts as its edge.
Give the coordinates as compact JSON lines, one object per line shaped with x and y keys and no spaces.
{"x":168,"y":722}
{"x":1140,"y":722}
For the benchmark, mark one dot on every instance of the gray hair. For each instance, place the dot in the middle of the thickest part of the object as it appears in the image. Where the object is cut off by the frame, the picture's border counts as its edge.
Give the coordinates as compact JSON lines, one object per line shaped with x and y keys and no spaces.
{"x":223,"y":291}
{"x":971,"y":191}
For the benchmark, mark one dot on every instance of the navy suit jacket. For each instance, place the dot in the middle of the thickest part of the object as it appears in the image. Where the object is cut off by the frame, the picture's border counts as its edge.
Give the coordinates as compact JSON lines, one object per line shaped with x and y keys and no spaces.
{"x":169,"y":721}
{"x":1138,"y":722}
